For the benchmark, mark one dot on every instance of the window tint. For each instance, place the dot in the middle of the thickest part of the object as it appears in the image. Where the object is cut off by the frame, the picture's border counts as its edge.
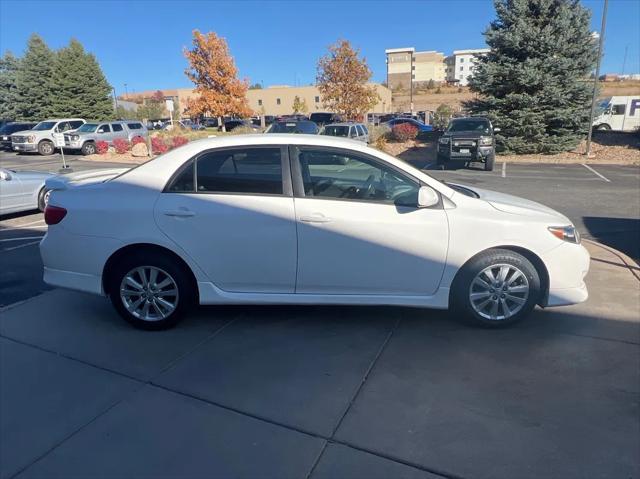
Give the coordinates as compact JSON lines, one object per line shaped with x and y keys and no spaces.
{"x":335,"y":174}
{"x":104,"y":128}
{"x":134,"y":126}
{"x":618,"y":109}
{"x":76,"y":124}
{"x":360,"y":130}
{"x":183,"y":183}
{"x":336,"y":130}
{"x":365,"y":129}
{"x":63,"y":126}
{"x":116,"y":126}
{"x":250,"y":170}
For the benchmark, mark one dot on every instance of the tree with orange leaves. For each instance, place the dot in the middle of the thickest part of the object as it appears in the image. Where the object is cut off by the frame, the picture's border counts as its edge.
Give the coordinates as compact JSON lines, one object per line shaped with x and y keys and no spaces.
{"x":212,"y":69}
{"x":342,"y":80}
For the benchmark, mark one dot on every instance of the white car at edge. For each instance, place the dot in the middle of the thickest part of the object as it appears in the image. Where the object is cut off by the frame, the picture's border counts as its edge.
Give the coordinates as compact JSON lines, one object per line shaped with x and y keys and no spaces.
{"x":298,"y":219}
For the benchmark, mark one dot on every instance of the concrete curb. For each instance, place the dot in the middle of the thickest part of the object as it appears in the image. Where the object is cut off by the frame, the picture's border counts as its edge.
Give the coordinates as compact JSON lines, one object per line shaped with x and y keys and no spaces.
{"x":631,"y":265}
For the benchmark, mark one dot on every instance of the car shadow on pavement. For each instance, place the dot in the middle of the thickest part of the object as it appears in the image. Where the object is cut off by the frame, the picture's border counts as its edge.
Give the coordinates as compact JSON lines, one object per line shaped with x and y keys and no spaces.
{"x":622,"y":234}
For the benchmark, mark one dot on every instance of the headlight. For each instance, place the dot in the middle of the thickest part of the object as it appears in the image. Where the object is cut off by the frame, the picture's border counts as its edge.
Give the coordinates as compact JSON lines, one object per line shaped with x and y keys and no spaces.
{"x":31,"y":139}
{"x":74,"y":137}
{"x":486,"y":141}
{"x":565,"y":233}
{"x":444,"y":140}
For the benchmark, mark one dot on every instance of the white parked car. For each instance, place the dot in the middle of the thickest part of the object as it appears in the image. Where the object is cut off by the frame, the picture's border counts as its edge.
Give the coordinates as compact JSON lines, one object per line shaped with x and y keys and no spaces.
{"x":305,"y":219}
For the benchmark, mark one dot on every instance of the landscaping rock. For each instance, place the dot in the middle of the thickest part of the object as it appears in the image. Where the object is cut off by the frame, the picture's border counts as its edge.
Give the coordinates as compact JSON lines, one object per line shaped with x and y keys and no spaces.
{"x":140,"y":150}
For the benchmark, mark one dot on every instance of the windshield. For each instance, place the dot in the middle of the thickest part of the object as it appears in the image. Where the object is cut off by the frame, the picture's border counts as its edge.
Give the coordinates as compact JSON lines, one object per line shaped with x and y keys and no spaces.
{"x":469,"y":125}
{"x":335,"y":130}
{"x":293,"y":127}
{"x":602,"y":106}
{"x":44,"y":125}
{"x":88,"y":127}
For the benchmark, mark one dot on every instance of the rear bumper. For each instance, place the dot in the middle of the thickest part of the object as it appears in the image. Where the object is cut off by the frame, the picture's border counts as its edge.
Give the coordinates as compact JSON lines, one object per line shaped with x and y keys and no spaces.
{"x":88,"y":283}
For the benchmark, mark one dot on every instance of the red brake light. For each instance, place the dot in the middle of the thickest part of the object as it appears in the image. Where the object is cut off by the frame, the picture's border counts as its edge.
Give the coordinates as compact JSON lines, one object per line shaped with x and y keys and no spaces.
{"x":54,"y":214}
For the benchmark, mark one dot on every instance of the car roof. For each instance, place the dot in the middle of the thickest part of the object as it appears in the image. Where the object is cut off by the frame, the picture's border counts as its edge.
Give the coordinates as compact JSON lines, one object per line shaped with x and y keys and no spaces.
{"x":64,"y":119}
{"x":344,"y":123}
{"x":471,"y":118}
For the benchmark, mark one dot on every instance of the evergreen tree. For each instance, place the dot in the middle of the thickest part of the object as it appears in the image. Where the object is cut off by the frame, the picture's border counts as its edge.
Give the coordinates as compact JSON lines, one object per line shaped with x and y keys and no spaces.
{"x":533,"y":82}
{"x":33,"y":81}
{"x":9,"y":66}
{"x":80,"y":89}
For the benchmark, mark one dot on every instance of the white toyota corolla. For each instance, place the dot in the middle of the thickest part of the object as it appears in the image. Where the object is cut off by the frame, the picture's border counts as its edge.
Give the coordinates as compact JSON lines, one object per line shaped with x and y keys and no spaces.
{"x":297,"y":219}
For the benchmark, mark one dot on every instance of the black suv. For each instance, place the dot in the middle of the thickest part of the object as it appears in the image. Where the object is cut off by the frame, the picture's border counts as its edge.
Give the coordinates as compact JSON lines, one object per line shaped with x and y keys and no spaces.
{"x":468,"y":139}
{"x":11,"y":127}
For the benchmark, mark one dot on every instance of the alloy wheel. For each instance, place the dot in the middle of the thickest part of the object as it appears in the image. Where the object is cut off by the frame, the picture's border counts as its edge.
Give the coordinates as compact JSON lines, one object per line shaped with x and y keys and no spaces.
{"x":499,"y":292}
{"x":149,"y":293}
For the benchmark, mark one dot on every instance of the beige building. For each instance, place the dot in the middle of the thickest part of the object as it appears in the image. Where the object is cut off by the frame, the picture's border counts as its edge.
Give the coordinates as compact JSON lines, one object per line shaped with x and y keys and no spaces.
{"x":406,"y":66}
{"x":274,"y":100}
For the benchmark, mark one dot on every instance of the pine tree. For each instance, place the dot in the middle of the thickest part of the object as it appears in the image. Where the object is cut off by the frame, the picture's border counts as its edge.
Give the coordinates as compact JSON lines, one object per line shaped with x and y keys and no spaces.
{"x":79,"y":87}
{"x":33,"y":81}
{"x":9,"y":66}
{"x":533,"y":82}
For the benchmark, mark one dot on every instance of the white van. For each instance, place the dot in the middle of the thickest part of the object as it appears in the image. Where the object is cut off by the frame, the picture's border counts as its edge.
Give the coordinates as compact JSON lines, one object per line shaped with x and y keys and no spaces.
{"x":619,"y":113}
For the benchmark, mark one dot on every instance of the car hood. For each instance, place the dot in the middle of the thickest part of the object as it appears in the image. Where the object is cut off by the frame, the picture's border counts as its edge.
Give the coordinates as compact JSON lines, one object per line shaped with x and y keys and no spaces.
{"x":27,"y":132}
{"x":465,"y":134}
{"x":32,"y":175}
{"x":519,"y":206}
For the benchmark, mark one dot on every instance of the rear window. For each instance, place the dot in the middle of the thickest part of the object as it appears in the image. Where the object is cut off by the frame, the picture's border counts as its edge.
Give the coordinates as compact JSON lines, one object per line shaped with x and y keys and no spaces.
{"x":336,"y":130}
{"x":305,"y":127}
{"x":134,"y":126}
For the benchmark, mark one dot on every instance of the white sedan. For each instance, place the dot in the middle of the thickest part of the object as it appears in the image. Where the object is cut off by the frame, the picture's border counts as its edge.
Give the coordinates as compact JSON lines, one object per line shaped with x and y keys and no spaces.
{"x":305,"y":219}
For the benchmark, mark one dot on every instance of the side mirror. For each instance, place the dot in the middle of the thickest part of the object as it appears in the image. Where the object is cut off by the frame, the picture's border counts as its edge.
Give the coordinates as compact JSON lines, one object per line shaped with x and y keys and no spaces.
{"x":427,"y":197}
{"x":496,"y":130}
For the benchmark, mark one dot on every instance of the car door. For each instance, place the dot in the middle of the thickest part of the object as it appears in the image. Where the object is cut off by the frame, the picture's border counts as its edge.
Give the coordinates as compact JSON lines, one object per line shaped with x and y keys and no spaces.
{"x":118,"y":131}
{"x":12,"y":194}
{"x":359,"y":228}
{"x":231,"y":210}
{"x":104,"y":132}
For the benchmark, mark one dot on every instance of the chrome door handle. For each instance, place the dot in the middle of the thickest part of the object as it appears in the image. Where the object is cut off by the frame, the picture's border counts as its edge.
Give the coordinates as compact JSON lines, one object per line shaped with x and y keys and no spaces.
{"x":315,"y":218}
{"x":179,"y":213}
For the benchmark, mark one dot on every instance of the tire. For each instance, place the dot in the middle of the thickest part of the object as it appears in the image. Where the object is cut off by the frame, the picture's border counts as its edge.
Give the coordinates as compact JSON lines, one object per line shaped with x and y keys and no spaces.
{"x":46,"y":148}
{"x":496,"y":261}
{"x":89,"y":148}
{"x":603,"y":127}
{"x":43,"y":198}
{"x":489,"y":162}
{"x":159,"y":317}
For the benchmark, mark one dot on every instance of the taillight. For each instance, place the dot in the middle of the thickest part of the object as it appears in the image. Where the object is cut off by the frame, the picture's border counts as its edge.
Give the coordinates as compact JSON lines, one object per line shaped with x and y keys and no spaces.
{"x":54,"y":214}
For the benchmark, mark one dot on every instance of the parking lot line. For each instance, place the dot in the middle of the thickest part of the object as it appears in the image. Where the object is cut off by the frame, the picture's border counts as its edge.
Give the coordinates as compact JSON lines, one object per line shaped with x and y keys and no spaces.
{"x":504,"y":169}
{"x":24,"y":225}
{"x":23,"y":238}
{"x":595,"y":172}
{"x":20,"y":246}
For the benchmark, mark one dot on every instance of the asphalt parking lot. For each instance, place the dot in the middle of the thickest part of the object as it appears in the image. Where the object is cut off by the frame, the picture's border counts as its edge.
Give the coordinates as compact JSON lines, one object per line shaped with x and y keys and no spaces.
{"x":347,"y":392}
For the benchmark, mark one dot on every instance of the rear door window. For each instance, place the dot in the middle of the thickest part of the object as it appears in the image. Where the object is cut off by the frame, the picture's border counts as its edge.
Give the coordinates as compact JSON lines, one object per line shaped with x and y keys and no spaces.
{"x":116,"y":127}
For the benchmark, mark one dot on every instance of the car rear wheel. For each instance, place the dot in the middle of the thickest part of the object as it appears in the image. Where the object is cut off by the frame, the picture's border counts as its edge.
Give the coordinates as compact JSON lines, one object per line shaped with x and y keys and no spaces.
{"x":603,"y":127}
{"x":495,"y":289}
{"x":46,"y":148}
{"x":43,"y":198}
{"x":89,"y":148}
{"x":150,"y":291}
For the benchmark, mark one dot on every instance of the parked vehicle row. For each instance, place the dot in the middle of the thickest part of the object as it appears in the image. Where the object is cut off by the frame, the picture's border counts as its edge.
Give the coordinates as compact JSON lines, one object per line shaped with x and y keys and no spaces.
{"x":40,"y":138}
{"x":85,"y":137}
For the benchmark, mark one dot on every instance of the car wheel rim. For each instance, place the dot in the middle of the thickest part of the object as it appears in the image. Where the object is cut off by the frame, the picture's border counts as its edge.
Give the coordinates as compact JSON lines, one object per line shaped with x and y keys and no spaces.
{"x":499,"y":292}
{"x":149,"y":293}
{"x":47,"y":148}
{"x":45,"y":198}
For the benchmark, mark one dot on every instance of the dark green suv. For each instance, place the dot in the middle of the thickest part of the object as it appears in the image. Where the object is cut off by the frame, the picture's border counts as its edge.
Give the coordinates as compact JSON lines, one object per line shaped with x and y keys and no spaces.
{"x":468,"y":139}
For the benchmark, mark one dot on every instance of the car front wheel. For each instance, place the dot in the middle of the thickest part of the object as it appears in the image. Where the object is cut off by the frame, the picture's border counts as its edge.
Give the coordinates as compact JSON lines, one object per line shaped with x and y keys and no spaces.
{"x":46,"y":148}
{"x":495,"y":289}
{"x":89,"y":148}
{"x":150,"y":291}
{"x":489,"y":162}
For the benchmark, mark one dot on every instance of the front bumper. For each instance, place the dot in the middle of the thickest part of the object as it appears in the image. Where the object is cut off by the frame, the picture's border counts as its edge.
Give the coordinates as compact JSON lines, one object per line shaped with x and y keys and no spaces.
{"x":73,"y":144}
{"x":567,"y":265}
{"x":24,"y":147}
{"x":465,"y":152}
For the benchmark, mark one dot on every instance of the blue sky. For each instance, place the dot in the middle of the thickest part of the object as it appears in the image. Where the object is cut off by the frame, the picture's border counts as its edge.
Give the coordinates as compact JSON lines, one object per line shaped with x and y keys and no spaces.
{"x":274,"y":42}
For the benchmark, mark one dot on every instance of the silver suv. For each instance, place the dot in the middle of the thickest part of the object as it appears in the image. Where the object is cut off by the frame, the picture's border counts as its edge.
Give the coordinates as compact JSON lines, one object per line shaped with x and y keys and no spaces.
{"x":40,"y":138}
{"x":355,"y":131}
{"x":85,"y":137}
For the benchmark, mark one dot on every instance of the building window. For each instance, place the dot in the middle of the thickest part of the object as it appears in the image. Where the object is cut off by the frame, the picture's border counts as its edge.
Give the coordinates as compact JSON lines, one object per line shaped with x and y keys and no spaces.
{"x":317,"y":99}
{"x":462,"y":60}
{"x":461,"y":69}
{"x":413,"y":67}
{"x":413,"y":77}
{"x":259,"y":102}
{"x":277,"y":101}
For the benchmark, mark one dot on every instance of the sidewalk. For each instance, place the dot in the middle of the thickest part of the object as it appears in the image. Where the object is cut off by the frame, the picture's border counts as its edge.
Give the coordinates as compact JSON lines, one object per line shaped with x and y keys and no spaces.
{"x":324,"y":391}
